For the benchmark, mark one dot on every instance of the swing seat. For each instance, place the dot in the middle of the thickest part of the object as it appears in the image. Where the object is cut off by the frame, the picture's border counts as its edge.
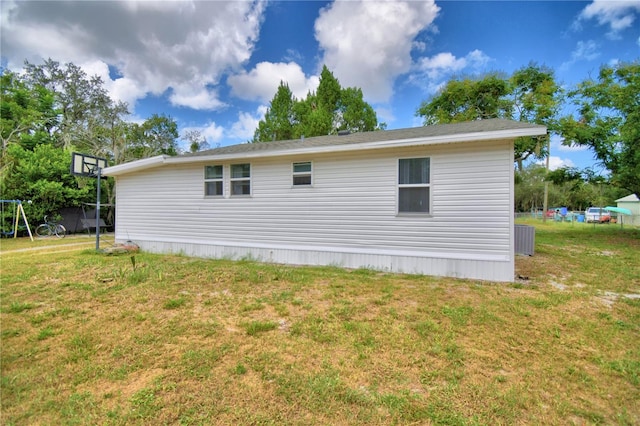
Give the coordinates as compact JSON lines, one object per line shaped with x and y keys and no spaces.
{"x":8,"y":234}
{"x":91,"y":223}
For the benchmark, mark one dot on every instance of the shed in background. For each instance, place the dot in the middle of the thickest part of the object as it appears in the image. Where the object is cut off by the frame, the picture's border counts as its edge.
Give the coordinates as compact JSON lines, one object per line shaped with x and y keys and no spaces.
{"x":631,"y":202}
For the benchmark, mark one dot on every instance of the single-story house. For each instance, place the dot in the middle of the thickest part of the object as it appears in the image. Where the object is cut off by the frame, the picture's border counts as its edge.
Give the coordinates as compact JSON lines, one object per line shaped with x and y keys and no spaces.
{"x":631,"y":202}
{"x":435,"y":200}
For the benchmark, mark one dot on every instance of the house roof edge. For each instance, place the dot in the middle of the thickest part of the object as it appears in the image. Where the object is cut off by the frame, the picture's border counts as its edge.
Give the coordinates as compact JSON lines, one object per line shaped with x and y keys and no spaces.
{"x":134,"y":166}
{"x":493,"y":129}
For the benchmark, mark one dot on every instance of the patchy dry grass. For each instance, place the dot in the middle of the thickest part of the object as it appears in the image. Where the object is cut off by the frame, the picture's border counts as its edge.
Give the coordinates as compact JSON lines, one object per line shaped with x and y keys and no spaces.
{"x":89,"y":339}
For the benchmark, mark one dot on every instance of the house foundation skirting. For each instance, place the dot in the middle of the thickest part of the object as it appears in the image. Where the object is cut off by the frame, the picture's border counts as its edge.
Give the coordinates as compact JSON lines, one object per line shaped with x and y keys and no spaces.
{"x":496,"y":268}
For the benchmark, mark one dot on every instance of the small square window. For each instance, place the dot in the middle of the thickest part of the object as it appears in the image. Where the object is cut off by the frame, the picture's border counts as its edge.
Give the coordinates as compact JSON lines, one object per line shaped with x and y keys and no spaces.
{"x":213,"y":189}
{"x":241,"y":187}
{"x":240,"y":171}
{"x":415,"y":200}
{"x":213,"y":172}
{"x":302,"y":173}
{"x":414,"y":171}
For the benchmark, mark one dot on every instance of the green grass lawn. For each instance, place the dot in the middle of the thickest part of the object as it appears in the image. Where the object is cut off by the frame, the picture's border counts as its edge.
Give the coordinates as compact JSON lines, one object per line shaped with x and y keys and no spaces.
{"x":94,"y":339}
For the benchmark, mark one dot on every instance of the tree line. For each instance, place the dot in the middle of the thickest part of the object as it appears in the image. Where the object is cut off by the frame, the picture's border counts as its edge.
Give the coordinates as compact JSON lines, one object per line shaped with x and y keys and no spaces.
{"x":604,"y":114}
{"x":570,"y":187}
{"x":328,"y":110}
{"x":52,"y":109}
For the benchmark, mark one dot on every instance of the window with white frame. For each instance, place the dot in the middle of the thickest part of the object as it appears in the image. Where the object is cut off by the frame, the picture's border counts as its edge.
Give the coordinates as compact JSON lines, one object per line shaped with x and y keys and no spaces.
{"x":414,"y":185}
{"x":213,"y":181}
{"x":302,"y":173}
{"x":240,"y":179}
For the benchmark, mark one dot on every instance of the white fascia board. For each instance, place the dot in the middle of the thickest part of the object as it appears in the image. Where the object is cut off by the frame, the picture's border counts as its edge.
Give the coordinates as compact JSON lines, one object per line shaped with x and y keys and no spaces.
{"x":134,"y":166}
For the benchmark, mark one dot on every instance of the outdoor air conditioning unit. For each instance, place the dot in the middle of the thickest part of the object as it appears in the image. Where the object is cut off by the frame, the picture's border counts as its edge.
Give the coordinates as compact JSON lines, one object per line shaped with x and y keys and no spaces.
{"x":525,"y":239}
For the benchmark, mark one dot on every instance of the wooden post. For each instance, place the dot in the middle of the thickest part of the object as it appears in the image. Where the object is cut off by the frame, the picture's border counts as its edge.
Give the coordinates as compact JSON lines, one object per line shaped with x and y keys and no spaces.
{"x":98,"y":210}
{"x":24,"y":216}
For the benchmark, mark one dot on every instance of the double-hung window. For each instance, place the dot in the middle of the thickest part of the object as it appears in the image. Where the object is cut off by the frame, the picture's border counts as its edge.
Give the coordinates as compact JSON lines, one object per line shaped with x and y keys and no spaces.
{"x":302,"y":173}
{"x":240,"y":179}
{"x":213,"y":181}
{"x":414,"y":185}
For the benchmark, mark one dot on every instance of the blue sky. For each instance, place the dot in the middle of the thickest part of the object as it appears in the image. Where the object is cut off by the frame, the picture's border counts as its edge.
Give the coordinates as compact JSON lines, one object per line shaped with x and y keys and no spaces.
{"x":215,"y":65}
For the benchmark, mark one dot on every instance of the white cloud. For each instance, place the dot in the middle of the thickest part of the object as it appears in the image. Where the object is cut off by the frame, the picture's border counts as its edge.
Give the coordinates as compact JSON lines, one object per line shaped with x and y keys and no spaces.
{"x":293,"y":55}
{"x":212,"y":133}
{"x":242,"y":130}
{"x":261,"y":83}
{"x":431,"y":73}
{"x":419,"y":46}
{"x":584,"y":51}
{"x":556,"y":145}
{"x":183,"y":46}
{"x":557,"y":163}
{"x":121,"y":89}
{"x":196,"y":97}
{"x":618,"y":15}
{"x":440,"y":64}
{"x":246,"y":125}
{"x":368,"y":44}
{"x":385,"y":115}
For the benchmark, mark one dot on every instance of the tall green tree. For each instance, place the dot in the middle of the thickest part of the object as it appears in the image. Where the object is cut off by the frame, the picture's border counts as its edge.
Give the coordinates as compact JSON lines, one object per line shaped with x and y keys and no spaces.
{"x":328,"y":93}
{"x":42,"y":175}
{"x":468,"y":99}
{"x":354,"y":114}
{"x":535,"y":98}
{"x":195,"y":140}
{"x":328,"y":110}
{"x":572,"y":188}
{"x":529,"y":188}
{"x":109,"y":132}
{"x":27,"y":114}
{"x":81,"y":99}
{"x":278,"y":120}
{"x":607,"y":120}
{"x":530,"y":94}
{"x":52,"y":109}
{"x":157,"y":135}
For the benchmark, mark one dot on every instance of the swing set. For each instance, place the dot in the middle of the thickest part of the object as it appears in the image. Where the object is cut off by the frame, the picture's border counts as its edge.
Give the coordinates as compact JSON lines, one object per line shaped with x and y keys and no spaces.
{"x":16,"y":213}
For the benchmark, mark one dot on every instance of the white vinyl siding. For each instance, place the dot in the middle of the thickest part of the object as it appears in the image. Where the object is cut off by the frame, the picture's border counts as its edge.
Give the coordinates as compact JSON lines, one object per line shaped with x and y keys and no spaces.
{"x":350,"y":213}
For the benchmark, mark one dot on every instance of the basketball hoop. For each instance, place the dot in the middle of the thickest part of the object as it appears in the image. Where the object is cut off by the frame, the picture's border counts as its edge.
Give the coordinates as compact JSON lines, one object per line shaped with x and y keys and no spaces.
{"x":87,"y":165}
{"x":90,"y":166}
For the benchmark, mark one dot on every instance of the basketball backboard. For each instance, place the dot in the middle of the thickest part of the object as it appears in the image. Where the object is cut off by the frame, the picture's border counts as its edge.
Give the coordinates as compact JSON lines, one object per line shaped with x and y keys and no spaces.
{"x":86,"y":165}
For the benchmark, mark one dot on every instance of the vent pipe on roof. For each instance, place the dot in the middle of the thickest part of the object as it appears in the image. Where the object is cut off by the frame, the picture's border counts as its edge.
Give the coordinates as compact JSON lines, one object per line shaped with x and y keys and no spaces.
{"x":344,"y":132}
{"x":302,"y":138}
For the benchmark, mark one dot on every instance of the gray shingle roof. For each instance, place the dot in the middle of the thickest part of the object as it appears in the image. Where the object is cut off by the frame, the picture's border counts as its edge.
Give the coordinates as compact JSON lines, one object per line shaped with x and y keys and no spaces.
{"x":374,"y":136}
{"x":443,"y":133}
